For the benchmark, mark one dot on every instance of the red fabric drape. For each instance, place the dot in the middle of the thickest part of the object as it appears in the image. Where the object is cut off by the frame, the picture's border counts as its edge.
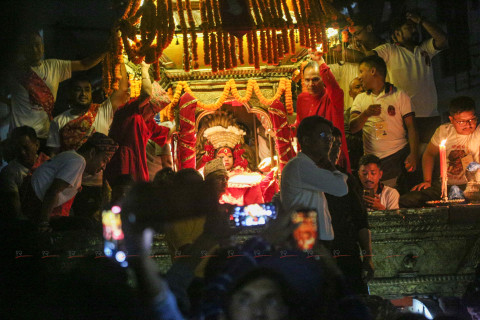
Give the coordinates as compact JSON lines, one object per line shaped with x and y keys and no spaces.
{"x":38,"y":91}
{"x":77,"y":131}
{"x":186,"y":136}
{"x":283,"y":138}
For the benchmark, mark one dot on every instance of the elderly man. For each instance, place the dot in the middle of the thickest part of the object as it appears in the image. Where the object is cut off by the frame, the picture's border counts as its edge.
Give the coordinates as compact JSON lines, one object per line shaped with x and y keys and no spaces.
{"x":324,"y":98}
{"x":383,"y":113}
{"x":462,"y":147}
{"x":311,"y":173}
{"x":35,"y":84}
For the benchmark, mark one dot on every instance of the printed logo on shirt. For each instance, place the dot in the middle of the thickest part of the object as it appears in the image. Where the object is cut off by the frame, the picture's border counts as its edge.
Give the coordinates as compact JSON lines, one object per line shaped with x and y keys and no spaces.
{"x":391,"y":110}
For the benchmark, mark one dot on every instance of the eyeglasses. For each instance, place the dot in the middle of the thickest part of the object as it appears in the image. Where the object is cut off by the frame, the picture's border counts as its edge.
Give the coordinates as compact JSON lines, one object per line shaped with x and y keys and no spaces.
{"x":465,"y":122}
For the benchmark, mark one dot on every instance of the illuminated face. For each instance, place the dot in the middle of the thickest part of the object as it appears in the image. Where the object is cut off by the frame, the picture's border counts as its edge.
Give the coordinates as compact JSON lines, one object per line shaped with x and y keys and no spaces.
{"x":360,"y":34}
{"x":355,"y":88}
{"x":82,"y":94}
{"x":366,"y":76}
{"x":313,"y":82}
{"x":464,"y":122}
{"x":370,"y":174}
{"x":259,"y":299}
{"x":227,"y":156}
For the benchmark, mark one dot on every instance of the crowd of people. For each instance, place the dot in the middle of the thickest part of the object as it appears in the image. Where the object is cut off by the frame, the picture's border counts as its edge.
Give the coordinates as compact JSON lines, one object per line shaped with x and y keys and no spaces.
{"x":63,"y":171}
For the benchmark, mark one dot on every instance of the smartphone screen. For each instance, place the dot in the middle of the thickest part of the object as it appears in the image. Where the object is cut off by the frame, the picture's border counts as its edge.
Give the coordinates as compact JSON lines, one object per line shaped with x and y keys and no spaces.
{"x":113,"y":235}
{"x":306,"y":233}
{"x":252,"y":215}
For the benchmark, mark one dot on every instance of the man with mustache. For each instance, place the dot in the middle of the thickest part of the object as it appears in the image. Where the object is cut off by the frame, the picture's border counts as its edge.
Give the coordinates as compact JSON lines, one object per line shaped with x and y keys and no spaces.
{"x":370,"y":173}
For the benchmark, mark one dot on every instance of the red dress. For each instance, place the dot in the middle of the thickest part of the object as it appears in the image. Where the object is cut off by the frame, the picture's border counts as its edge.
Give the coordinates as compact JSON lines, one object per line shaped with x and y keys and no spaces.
{"x":329,"y":106}
{"x":132,"y":132}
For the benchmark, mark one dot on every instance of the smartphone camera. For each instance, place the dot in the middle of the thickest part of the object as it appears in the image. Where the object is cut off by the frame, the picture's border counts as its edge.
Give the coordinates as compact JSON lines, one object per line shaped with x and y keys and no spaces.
{"x":252,"y":215}
{"x":113,"y":235}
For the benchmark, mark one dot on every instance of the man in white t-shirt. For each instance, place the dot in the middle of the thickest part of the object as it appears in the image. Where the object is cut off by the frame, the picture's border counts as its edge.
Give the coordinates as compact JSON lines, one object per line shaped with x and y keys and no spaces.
{"x":55,"y":183}
{"x":34,"y":85}
{"x":378,"y":195}
{"x":70,"y":129}
{"x":410,"y":68}
{"x":383,"y":112}
{"x":462,"y":147}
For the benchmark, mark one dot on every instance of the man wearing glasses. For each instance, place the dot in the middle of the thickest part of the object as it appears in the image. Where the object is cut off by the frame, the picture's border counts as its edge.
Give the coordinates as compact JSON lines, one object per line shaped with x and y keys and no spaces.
{"x":311,"y":173}
{"x":462,"y":147}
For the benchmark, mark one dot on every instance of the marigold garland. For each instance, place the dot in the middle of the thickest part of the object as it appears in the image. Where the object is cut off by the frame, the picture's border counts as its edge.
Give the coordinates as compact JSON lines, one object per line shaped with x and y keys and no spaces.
{"x":270,"y":17}
{"x":250,"y":48}
{"x":256,"y":12}
{"x":269,"y":47}
{"x":233,"y":56}
{"x":280,"y":46}
{"x":292,"y":41}
{"x":255,"y":51}
{"x":226,"y":50}
{"x":183,"y":25}
{"x":275,"y":47}
{"x":218,"y":27}
{"x":240,"y":51}
{"x":284,"y":87}
{"x":206,"y":42}
{"x":213,"y":51}
{"x":127,"y":9}
{"x":193,"y":32}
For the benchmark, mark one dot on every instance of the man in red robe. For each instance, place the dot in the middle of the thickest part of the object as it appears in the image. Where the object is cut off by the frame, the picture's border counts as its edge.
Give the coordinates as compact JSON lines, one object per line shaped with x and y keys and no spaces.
{"x":324,"y":98}
{"x":133,"y":125}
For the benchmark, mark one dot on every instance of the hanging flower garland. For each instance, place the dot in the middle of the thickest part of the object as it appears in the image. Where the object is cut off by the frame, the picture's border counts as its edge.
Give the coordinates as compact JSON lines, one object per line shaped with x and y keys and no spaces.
{"x":256,"y":58}
{"x":111,"y":64}
{"x":193,"y":33}
{"x":263,"y":45}
{"x":226,"y":50}
{"x":183,"y":25}
{"x":233,"y":56}
{"x":205,"y":29}
{"x":250,"y":48}
{"x":218,"y":27}
{"x":240,"y":51}
{"x":284,"y":86}
{"x":298,"y":17}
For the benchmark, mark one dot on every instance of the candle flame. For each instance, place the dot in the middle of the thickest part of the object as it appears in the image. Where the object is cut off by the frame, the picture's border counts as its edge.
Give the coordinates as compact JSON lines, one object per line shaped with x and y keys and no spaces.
{"x":444,"y":141}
